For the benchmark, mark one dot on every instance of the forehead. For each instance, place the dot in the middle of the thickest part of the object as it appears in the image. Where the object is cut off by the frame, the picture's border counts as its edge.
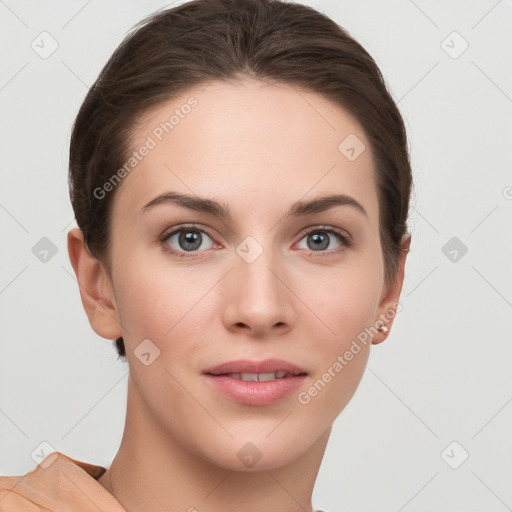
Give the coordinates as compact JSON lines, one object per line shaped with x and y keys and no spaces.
{"x":244,"y":143}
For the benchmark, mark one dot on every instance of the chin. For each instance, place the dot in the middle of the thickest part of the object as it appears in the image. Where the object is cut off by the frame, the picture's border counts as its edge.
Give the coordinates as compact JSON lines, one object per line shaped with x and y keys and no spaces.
{"x":254,"y":449}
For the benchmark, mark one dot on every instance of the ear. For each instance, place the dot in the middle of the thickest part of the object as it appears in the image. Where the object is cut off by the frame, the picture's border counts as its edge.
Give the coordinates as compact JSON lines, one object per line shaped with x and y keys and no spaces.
{"x":391,"y":294}
{"x":95,"y":286}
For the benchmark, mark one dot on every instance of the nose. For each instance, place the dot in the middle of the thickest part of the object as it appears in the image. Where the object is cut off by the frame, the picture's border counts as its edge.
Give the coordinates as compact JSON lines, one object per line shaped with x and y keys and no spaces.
{"x":258,"y":298}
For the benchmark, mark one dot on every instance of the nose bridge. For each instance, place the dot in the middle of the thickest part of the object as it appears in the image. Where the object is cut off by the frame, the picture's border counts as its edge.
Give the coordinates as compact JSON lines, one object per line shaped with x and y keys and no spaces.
{"x":260,"y":298}
{"x":254,"y":264}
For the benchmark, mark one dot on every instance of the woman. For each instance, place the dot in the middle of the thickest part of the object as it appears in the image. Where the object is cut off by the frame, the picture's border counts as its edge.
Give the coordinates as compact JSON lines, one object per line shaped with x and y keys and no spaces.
{"x":240,"y":177}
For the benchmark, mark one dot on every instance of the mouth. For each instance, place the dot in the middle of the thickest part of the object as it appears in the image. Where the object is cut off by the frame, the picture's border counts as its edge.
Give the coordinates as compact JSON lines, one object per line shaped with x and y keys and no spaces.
{"x":252,"y":371}
{"x":257,"y":377}
{"x":256,"y":382}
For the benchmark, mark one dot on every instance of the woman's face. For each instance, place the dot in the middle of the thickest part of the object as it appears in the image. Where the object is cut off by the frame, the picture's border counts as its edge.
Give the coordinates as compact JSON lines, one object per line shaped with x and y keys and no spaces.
{"x":264,"y":281}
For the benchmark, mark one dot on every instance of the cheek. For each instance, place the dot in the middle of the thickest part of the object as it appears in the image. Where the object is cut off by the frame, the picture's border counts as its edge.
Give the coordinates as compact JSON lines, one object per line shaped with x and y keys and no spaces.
{"x":160,"y":301}
{"x":346,"y":307}
{"x":344,"y":302}
{"x":146,"y":304}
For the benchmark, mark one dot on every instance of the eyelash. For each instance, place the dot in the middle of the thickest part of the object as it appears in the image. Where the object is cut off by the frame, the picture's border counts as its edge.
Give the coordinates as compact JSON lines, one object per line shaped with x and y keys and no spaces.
{"x":344,"y":239}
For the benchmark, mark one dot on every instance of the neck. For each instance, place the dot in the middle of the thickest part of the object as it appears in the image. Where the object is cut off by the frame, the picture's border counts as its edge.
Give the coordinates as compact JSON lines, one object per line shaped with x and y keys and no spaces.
{"x":153,"y":471}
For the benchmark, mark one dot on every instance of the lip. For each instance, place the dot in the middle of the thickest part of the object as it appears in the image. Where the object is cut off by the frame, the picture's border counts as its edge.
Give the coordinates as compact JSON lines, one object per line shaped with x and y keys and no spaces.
{"x":255,"y":392}
{"x":248,"y":366}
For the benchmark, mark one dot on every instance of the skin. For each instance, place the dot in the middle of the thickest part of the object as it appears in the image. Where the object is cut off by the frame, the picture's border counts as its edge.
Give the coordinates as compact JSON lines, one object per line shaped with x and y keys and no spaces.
{"x":257,"y":147}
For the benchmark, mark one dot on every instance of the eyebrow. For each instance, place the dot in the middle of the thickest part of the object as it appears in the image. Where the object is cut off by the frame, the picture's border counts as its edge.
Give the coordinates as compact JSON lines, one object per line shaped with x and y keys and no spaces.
{"x":222,"y":210}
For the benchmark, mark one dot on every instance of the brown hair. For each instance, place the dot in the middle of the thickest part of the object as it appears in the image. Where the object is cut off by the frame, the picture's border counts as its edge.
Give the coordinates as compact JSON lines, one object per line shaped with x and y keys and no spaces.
{"x":199,"y":41}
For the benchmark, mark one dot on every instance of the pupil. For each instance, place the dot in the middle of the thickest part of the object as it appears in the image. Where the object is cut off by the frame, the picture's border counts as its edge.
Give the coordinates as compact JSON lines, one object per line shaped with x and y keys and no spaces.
{"x":190,"y":240}
{"x":318,"y":238}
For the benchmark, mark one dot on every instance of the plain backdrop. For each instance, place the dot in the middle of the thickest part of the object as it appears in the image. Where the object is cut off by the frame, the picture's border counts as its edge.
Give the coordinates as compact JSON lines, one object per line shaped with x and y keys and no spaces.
{"x":429,"y":426}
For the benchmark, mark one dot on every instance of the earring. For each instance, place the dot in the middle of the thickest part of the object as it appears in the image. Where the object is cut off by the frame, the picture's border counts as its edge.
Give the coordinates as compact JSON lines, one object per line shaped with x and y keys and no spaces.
{"x":382,"y":328}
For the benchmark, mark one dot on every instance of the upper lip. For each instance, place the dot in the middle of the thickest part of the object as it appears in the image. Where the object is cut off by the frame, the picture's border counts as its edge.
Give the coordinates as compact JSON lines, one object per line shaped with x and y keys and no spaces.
{"x":248,"y":366}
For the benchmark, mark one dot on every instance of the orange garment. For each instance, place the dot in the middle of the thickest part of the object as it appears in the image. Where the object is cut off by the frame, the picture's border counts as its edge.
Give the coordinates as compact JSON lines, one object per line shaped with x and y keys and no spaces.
{"x":58,"y":484}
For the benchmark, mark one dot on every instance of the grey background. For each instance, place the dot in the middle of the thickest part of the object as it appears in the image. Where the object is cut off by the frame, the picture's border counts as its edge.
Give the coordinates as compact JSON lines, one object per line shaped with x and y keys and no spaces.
{"x":444,"y":373}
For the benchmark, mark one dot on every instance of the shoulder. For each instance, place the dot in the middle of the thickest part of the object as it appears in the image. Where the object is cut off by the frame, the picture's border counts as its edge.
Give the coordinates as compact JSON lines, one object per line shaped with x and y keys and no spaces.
{"x":57,"y":481}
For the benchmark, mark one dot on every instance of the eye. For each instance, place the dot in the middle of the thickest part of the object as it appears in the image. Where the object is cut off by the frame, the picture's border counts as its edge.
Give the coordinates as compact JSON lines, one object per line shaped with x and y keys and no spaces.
{"x":187,"y":239}
{"x":319,"y":239}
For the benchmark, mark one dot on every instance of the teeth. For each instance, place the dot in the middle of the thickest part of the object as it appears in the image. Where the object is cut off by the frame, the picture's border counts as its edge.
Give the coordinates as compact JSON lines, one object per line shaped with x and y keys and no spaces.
{"x":257,"y":377}
{"x":250,"y":377}
{"x":266,"y":376}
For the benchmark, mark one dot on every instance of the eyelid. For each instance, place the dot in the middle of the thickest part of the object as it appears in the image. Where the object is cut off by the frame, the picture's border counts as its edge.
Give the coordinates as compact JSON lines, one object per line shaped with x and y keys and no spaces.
{"x":320,"y":227}
{"x":192,"y":226}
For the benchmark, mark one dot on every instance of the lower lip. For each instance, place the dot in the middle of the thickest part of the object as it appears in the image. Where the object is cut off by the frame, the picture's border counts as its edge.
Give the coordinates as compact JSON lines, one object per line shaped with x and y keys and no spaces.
{"x":256,"y":393}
